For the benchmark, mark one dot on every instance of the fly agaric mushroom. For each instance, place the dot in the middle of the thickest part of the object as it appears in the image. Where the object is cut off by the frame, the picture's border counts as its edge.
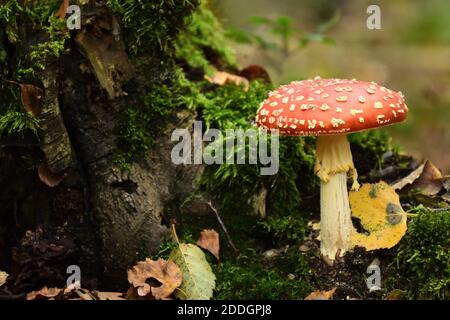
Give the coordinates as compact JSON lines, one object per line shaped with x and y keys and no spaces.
{"x":330,"y":109}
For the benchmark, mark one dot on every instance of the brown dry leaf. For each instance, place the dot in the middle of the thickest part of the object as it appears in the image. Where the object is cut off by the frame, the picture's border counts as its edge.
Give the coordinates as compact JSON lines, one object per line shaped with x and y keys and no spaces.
{"x":321,"y":295}
{"x":427,"y":178}
{"x":209,"y":240}
{"x":49,"y":178}
{"x":378,"y":208}
{"x":166,"y":272}
{"x":109,"y":295}
{"x":255,"y":72}
{"x":62,"y":11}
{"x":221,"y":78}
{"x":409,"y":179}
{"x":31,"y":97}
{"x":3,"y":277}
{"x":395,"y":294}
{"x":44,"y":293}
{"x":430,"y":180}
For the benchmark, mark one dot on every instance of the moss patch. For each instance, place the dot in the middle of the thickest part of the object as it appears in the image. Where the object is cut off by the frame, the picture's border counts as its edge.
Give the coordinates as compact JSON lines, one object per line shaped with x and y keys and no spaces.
{"x":422,"y":266}
{"x":203,"y":42}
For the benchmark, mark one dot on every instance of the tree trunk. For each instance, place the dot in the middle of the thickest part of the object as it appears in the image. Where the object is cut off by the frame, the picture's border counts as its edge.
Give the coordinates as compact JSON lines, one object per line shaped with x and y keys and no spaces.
{"x":86,"y":90}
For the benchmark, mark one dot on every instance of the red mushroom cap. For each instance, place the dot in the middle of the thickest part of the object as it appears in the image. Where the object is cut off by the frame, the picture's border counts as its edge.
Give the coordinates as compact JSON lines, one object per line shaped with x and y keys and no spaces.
{"x":330,"y":106}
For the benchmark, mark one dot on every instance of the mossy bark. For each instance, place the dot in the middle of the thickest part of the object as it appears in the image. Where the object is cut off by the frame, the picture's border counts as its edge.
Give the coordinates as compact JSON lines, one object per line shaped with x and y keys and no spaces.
{"x":86,"y":91}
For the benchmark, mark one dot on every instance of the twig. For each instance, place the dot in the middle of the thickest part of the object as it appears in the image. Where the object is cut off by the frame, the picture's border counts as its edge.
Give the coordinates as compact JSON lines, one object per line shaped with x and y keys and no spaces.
{"x":222,"y":225}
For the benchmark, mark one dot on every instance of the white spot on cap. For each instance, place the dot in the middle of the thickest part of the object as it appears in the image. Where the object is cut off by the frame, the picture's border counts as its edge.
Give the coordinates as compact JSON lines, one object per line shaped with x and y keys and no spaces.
{"x":271,"y":120}
{"x":299,"y":98}
{"x":336,"y":122}
{"x":338,"y":110}
{"x":380,"y":118}
{"x":370,"y":90}
{"x":361,"y":120}
{"x":276,"y":113}
{"x":341,"y":98}
{"x":312,"y":124}
{"x":361,"y":99}
{"x":324,"y":107}
{"x":354,"y":112}
{"x":378,"y":105}
{"x":285,"y":100}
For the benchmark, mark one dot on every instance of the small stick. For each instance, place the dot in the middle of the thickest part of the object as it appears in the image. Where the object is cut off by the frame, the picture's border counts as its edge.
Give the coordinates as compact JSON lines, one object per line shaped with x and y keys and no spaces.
{"x":222,"y":225}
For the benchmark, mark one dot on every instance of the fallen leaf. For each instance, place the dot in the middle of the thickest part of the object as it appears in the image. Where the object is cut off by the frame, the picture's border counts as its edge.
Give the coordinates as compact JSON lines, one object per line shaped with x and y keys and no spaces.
{"x":3,"y":277}
{"x":221,"y":78}
{"x":427,"y":178}
{"x":209,"y":240}
{"x":166,"y":272}
{"x":62,"y":11}
{"x":109,"y":295}
{"x":198,"y":279}
{"x":396,"y":294}
{"x":321,"y":295}
{"x":430,"y":180}
{"x":44,"y":293}
{"x":31,"y":97}
{"x":49,"y":178}
{"x":409,"y":179}
{"x":378,"y":208}
{"x":255,"y":72}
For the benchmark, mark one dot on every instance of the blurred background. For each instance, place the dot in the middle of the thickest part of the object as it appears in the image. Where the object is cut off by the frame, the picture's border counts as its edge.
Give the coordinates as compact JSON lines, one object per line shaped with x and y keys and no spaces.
{"x":298,"y":39}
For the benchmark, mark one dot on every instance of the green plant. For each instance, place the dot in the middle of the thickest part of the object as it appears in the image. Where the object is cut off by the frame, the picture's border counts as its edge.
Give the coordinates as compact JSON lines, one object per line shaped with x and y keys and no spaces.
{"x":279,"y":47}
{"x":15,"y":122}
{"x":250,"y":278}
{"x":152,"y":26}
{"x":285,"y":229}
{"x":43,"y":52}
{"x":423,"y":257}
{"x":203,"y":31}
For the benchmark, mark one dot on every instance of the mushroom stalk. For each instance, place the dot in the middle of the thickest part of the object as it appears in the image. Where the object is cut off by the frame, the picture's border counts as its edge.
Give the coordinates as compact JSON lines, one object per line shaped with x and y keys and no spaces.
{"x":334,"y":160}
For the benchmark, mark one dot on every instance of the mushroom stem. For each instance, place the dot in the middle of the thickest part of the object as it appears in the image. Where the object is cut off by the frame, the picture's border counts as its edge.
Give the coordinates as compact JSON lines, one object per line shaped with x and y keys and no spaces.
{"x":335,"y":217}
{"x":334,"y":160}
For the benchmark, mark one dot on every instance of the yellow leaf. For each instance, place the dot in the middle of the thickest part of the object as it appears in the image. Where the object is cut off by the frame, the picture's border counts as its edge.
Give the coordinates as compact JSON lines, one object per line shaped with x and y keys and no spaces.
{"x":379,"y":210}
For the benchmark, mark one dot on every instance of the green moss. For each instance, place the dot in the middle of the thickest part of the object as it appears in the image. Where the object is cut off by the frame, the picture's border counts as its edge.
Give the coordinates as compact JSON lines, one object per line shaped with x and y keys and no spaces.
{"x":423,"y":258}
{"x":285,"y":229}
{"x":152,"y":26}
{"x":138,"y":123}
{"x":13,"y":118}
{"x":16,"y":122}
{"x":374,"y":141}
{"x":248,"y":277}
{"x":44,"y":52}
{"x":203,"y":32}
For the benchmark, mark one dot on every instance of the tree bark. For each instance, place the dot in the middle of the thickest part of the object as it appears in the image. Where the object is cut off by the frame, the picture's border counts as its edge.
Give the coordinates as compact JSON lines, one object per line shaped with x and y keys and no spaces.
{"x":90,"y":87}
